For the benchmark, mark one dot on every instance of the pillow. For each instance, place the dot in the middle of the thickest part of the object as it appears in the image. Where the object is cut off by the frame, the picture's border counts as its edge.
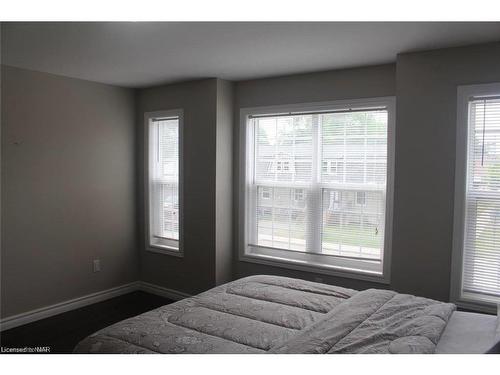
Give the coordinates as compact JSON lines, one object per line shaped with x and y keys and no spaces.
{"x":495,"y":349}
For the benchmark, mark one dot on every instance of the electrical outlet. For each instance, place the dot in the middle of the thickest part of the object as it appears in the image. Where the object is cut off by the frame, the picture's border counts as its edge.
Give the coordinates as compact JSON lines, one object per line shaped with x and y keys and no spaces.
{"x":97,"y":265}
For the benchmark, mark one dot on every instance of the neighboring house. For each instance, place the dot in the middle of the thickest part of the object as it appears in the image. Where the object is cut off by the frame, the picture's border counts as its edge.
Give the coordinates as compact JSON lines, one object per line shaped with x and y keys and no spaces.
{"x":353,"y":169}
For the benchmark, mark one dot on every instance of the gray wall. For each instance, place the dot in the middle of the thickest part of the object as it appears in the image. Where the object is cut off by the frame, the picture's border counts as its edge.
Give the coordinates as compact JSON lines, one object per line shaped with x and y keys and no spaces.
{"x":68,"y":178}
{"x":195,"y":271}
{"x":207,"y":185}
{"x":425,"y":161}
{"x":374,"y":81}
{"x":73,"y":175}
{"x":224,"y":187}
{"x":425,"y":86}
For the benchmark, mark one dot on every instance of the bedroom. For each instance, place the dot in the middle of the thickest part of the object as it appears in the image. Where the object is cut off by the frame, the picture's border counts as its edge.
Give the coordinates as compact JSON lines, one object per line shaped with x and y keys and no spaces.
{"x":250,"y":187}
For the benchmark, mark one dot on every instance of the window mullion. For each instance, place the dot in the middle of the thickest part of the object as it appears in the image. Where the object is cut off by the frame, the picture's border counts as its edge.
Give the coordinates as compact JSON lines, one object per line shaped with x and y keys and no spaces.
{"x":470,"y":201}
{"x":314,"y":196}
{"x":251,"y":184}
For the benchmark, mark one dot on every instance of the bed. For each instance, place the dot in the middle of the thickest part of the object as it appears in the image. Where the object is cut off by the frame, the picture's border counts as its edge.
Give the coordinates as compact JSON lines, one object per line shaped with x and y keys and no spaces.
{"x":270,"y":314}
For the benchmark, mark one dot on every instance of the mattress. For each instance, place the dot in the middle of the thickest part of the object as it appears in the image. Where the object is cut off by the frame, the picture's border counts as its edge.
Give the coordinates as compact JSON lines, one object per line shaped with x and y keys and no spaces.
{"x":269,"y":314}
{"x":468,"y":333}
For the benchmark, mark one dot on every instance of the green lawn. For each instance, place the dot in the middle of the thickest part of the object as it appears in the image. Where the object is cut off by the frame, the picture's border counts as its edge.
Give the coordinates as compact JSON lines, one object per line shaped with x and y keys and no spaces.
{"x":348,"y":235}
{"x":352,"y":235}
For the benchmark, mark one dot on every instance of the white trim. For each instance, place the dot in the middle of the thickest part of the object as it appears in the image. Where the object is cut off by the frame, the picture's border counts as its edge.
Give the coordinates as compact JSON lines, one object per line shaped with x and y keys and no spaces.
{"x":464,"y":94}
{"x":316,"y":269}
{"x":168,"y":250}
{"x":61,"y":307}
{"x":162,"y":291}
{"x":244,"y":171}
{"x":89,"y":299}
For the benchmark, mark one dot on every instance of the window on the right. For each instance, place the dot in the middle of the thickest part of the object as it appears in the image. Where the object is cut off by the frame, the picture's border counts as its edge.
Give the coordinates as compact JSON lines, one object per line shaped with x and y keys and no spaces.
{"x":476,"y":258}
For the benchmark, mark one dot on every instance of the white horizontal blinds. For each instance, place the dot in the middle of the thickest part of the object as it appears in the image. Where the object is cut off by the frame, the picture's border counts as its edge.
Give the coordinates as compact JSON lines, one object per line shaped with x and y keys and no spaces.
{"x":283,"y":170}
{"x":165,"y":178}
{"x":319,"y":183}
{"x":481,"y":257}
{"x":353,"y":173}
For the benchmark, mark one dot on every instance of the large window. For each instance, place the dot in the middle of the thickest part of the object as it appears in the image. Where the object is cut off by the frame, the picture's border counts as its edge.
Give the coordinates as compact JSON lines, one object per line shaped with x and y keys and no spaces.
{"x":477,"y":222}
{"x":316,"y":187}
{"x":163,"y":178}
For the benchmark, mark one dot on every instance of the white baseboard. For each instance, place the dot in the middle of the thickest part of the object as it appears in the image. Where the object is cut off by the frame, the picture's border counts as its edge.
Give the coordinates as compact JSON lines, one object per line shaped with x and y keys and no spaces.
{"x":162,"y":291}
{"x":61,"y":307}
{"x":72,"y":304}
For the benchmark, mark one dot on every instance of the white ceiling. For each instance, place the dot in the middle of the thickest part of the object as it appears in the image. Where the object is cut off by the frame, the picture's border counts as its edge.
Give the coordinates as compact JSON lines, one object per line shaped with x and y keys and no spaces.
{"x":137,"y":54}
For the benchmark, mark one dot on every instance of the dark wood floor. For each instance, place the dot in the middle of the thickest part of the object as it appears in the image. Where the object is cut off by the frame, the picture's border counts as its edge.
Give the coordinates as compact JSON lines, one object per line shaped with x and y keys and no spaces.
{"x":62,"y":332}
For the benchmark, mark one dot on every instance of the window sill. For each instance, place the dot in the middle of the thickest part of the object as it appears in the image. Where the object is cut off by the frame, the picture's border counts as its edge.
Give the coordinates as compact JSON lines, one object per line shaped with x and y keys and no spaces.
{"x":315,"y":268}
{"x":165,"y":250}
{"x":478,"y":304}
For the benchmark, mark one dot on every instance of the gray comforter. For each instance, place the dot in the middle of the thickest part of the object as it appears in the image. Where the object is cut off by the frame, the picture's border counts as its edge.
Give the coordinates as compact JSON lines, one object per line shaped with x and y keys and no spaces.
{"x":269,"y":314}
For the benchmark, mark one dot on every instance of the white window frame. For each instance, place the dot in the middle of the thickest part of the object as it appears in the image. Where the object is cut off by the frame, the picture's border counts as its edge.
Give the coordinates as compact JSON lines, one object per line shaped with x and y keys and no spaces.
{"x":297,"y":194}
{"x":278,"y":166}
{"x":169,"y":247}
{"x":295,"y":260}
{"x":358,"y":194}
{"x":334,"y":199}
{"x":331,"y":167}
{"x":267,"y":191}
{"x":464,"y":93}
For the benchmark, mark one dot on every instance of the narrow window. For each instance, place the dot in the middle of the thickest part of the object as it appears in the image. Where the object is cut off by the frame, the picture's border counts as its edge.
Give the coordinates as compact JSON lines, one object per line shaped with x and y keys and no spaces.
{"x":477,"y":222}
{"x":163,"y":181}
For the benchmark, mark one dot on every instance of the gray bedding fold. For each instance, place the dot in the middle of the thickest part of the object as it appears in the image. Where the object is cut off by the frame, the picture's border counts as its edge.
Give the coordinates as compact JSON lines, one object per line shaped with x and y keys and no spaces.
{"x":375,"y":321}
{"x":269,"y":314}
